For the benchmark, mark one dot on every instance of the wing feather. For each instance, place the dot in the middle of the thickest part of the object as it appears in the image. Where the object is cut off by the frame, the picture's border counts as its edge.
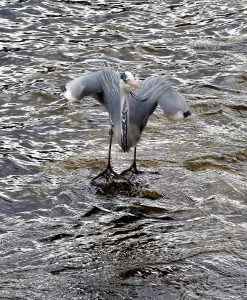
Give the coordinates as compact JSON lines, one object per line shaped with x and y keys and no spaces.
{"x":110,"y":82}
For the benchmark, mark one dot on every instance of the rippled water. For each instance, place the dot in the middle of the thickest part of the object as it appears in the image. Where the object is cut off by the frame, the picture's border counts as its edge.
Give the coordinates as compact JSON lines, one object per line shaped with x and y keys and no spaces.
{"x":184,"y":235}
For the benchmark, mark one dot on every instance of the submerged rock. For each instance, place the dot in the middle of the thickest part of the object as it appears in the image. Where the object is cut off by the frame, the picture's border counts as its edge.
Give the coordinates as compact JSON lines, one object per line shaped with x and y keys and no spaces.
{"x":124,"y":187}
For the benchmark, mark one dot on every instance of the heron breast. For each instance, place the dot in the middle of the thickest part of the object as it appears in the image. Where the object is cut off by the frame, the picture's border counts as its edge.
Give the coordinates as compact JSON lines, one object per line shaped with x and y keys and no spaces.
{"x":124,"y":127}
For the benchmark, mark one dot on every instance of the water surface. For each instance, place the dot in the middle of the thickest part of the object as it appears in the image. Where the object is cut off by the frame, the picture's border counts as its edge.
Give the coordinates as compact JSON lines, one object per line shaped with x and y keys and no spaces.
{"x":183,"y":235}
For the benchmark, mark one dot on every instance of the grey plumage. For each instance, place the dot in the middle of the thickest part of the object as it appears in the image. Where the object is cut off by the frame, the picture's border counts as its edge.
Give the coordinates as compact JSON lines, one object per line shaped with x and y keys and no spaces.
{"x":85,"y":85}
{"x":128,"y":111}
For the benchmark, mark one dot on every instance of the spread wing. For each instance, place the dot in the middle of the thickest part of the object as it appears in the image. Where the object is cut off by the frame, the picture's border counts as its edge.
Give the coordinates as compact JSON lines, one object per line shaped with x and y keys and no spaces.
{"x":144,"y":100}
{"x":110,"y":83}
{"x":154,"y":91}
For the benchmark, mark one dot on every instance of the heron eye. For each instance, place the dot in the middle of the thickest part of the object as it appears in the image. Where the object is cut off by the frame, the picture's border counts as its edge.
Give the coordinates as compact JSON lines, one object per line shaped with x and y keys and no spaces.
{"x":123,"y":76}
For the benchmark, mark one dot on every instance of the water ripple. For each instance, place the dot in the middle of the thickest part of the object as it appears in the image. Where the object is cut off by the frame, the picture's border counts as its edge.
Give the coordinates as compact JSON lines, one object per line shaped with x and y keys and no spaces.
{"x":178,"y":232}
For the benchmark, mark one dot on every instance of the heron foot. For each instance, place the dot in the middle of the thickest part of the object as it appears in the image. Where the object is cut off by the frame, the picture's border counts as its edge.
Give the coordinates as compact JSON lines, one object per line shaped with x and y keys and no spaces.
{"x":108,"y":174}
{"x":131,"y":170}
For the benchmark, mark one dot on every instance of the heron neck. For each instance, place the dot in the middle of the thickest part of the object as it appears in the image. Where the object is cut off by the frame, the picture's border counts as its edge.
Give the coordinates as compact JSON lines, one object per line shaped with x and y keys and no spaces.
{"x":124,"y":95}
{"x":124,"y":99}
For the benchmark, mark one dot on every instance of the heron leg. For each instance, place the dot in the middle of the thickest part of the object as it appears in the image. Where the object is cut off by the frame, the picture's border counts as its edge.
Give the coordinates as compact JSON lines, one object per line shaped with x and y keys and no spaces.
{"x":133,"y":168}
{"x":108,"y":171}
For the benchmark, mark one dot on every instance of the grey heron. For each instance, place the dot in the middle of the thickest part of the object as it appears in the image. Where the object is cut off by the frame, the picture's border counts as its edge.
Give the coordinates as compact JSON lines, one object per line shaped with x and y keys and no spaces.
{"x":129,"y":104}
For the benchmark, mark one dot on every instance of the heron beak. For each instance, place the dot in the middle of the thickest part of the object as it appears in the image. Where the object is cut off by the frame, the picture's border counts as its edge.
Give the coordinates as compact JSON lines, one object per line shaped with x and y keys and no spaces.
{"x":133,"y":84}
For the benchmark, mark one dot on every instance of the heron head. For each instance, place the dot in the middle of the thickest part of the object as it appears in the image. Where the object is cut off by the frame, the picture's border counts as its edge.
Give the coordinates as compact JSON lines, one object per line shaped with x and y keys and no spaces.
{"x":128,"y":81}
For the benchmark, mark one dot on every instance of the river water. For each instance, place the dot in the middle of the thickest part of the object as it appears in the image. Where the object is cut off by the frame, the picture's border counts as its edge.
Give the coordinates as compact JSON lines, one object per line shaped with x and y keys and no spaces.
{"x":182,"y":233}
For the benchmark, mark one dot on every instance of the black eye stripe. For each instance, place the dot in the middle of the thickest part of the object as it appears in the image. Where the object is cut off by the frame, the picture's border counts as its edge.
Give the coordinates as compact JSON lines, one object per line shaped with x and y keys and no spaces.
{"x":123,"y":76}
